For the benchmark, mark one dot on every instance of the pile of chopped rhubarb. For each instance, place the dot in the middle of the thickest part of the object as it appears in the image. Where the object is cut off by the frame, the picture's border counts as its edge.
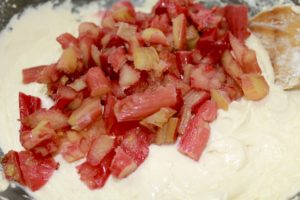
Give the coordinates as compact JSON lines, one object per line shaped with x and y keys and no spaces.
{"x":135,"y":80}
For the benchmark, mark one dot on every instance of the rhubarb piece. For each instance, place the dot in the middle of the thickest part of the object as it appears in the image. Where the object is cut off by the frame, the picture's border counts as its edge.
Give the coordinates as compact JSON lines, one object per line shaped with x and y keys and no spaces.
{"x":127,"y":32}
{"x":117,"y":58}
{"x":254,"y":86}
{"x":138,"y":106}
{"x":27,"y":105}
{"x":68,"y":61}
{"x":231,"y":66}
{"x":195,"y":138}
{"x":97,"y":82}
{"x":11,"y":167}
{"x":167,"y":134}
{"x":43,"y":131}
{"x":221,"y":98}
{"x":237,"y":18}
{"x":99,"y":149}
{"x":128,"y":76}
{"x":179,"y":31}
{"x":192,"y":100}
{"x":56,"y":119}
{"x":155,"y":36}
{"x":70,"y":147}
{"x":88,"y":29}
{"x":67,"y":40}
{"x":95,"y":53}
{"x":122,"y":164}
{"x":85,"y":46}
{"x":245,"y":56}
{"x":64,"y":96}
{"x":78,"y":85}
{"x":208,"y":110}
{"x":87,"y":113}
{"x":204,"y":18}
{"x":40,"y":74}
{"x":36,"y":171}
{"x":123,"y":12}
{"x":145,"y":58}
{"x":192,"y":37}
{"x":109,"y":115}
{"x":96,"y":176}
{"x":158,"y":119}
{"x":207,"y":77}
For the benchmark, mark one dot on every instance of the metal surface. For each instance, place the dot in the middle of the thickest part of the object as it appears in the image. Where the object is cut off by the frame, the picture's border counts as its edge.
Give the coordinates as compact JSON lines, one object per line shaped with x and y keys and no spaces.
{"x":8,"y":8}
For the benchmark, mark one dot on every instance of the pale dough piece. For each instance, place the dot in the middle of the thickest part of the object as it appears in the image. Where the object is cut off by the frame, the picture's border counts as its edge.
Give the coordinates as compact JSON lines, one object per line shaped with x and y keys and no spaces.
{"x":279,"y":31}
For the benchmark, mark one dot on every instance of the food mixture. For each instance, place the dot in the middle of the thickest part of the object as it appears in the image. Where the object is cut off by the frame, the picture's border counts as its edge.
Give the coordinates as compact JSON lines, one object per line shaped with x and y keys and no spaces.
{"x":252,"y":151}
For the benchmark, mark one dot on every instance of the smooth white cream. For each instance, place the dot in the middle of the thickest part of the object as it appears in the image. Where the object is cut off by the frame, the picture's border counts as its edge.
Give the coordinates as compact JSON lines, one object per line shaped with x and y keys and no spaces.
{"x":253,"y":152}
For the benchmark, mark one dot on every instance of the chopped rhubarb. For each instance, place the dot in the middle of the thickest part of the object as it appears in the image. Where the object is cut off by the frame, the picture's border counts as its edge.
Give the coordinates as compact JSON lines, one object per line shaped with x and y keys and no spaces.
{"x":195,"y":137}
{"x":158,"y":119}
{"x":11,"y":167}
{"x":56,"y":118}
{"x":43,"y":131}
{"x":237,"y":18}
{"x":145,"y":58}
{"x":97,"y":82}
{"x":179,"y":31}
{"x":68,"y":61}
{"x":167,"y":134}
{"x":117,"y":58}
{"x":155,"y":36}
{"x":221,"y":98}
{"x":231,"y":67}
{"x":87,"y":113}
{"x":100,"y":147}
{"x":96,"y":176}
{"x":67,"y":40}
{"x":254,"y":86}
{"x":122,"y":164}
{"x":208,"y":110}
{"x":70,"y":147}
{"x":128,"y":76}
{"x":40,"y":74}
{"x":123,"y":12}
{"x":88,"y":29}
{"x":245,"y":56}
{"x":36,"y":171}
{"x":138,"y":106}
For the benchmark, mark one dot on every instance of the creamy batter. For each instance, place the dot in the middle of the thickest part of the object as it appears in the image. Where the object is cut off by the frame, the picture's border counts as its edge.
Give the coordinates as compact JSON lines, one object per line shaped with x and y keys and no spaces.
{"x":253,"y":152}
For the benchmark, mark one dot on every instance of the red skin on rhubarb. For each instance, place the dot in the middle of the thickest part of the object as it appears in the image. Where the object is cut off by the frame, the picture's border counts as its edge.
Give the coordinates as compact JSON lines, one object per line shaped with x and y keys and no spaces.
{"x":97,"y":82}
{"x":36,"y":171}
{"x":137,"y":106}
{"x":96,"y":176}
{"x":41,"y":74}
{"x":195,"y":137}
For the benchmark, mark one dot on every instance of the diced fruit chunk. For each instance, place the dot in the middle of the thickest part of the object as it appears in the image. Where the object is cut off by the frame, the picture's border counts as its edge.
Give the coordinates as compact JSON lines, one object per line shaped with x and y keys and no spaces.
{"x":36,"y":171}
{"x":155,"y":36}
{"x":11,"y":167}
{"x":138,"y":106}
{"x":56,"y":118}
{"x":167,"y":134}
{"x":124,"y":12}
{"x":245,"y":56}
{"x":87,"y":113}
{"x":145,"y":58}
{"x":70,"y":147}
{"x":179,"y":31}
{"x":254,"y":86}
{"x":68,"y":61}
{"x":159,"y":118}
{"x":97,"y":82}
{"x":43,"y":131}
{"x":40,"y":74}
{"x":128,"y":76}
{"x":208,"y":111}
{"x":96,"y":176}
{"x":122,"y":164}
{"x":101,"y":146}
{"x":231,"y":66}
{"x":221,"y":98}
{"x":195,"y":137}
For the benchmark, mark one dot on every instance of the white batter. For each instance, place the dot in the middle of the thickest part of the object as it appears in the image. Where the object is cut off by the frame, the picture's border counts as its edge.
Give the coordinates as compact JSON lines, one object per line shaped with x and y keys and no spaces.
{"x":253,"y":152}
